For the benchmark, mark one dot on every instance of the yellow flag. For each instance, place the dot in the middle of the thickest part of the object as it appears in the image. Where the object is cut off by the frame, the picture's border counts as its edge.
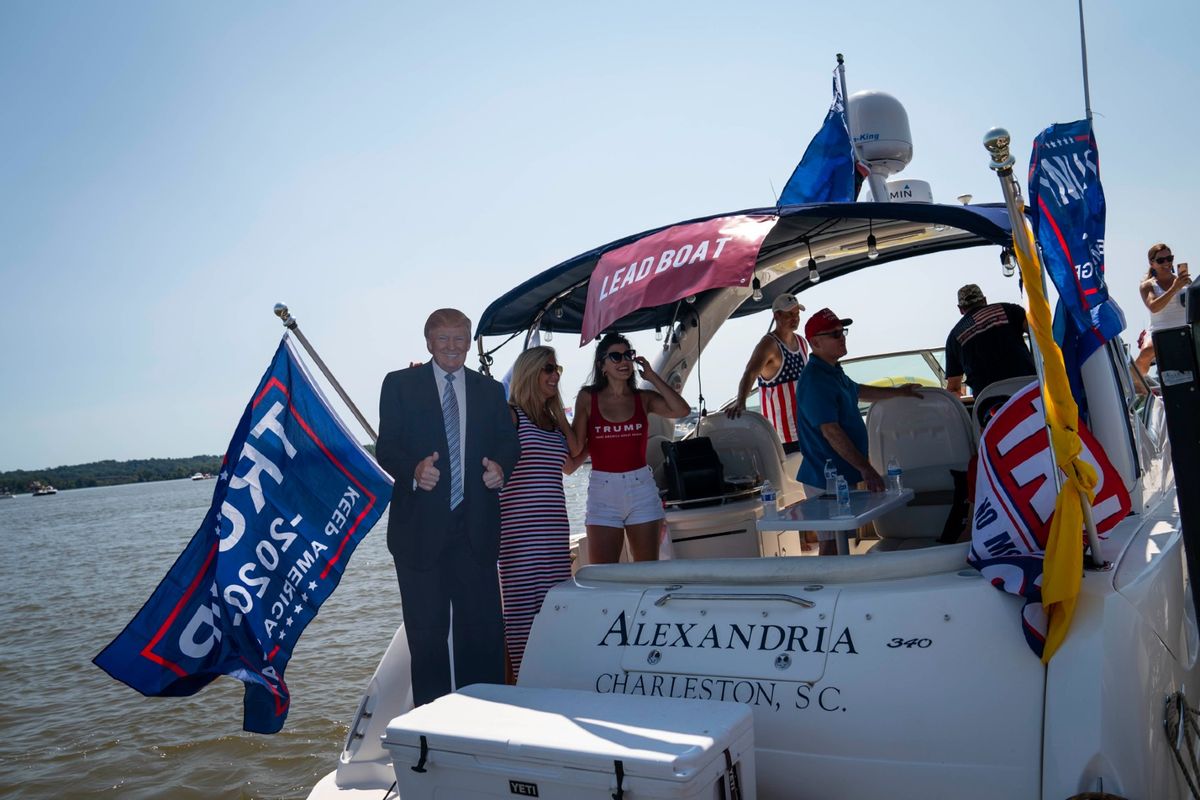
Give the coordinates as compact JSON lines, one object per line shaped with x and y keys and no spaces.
{"x":1062,"y":569}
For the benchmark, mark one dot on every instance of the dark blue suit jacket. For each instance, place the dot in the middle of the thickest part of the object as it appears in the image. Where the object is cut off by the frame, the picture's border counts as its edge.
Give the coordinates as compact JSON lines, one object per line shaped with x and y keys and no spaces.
{"x":411,"y":428}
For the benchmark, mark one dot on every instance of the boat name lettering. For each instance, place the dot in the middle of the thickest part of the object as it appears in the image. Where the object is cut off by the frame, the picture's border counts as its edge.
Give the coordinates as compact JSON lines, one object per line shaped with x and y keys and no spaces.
{"x":732,"y":636}
{"x":828,"y":698}
{"x":690,"y":687}
{"x":758,"y":693}
{"x":686,"y":255}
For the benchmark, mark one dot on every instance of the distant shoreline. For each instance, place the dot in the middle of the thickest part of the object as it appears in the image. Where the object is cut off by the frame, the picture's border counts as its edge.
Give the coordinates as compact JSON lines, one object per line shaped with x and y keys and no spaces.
{"x":108,"y":473}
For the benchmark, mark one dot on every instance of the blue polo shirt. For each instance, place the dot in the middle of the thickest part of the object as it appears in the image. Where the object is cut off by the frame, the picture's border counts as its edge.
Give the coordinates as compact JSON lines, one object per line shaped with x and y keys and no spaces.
{"x":824,"y":394}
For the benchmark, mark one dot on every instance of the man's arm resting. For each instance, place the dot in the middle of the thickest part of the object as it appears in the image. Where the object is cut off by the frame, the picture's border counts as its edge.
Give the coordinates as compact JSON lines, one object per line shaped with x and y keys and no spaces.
{"x":954,"y":384}
{"x":873,"y":393}
{"x":841,"y":444}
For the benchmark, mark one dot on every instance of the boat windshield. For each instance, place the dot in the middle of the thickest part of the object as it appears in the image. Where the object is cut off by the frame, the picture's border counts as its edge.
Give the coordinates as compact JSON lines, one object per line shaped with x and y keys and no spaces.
{"x":925,"y":367}
{"x":922,"y":367}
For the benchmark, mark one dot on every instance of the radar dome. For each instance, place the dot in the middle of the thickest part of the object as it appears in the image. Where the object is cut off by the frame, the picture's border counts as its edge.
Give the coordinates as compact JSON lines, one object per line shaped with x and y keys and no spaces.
{"x":879,"y":129}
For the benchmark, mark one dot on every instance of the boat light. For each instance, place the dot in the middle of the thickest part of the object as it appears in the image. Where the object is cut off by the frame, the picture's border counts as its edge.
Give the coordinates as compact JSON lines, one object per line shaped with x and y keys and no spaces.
{"x":1008,"y":262}
{"x":813,"y":275}
{"x":872,"y":249}
{"x":757,"y":294}
{"x":658,"y":333}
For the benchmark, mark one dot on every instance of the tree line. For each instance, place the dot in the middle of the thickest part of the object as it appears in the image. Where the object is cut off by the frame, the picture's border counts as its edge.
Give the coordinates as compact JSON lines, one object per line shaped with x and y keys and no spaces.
{"x":109,"y":473}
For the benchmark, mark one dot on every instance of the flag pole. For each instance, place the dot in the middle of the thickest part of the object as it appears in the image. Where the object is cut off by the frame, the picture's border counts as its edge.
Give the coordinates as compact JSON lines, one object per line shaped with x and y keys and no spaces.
{"x":291,"y":324}
{"x":997,"y":142}
{"x":1087,"y":92}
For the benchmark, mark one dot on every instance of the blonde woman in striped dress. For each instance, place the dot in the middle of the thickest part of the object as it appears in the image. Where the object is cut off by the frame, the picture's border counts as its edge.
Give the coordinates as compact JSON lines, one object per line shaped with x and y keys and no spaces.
{"x":534,"y":532}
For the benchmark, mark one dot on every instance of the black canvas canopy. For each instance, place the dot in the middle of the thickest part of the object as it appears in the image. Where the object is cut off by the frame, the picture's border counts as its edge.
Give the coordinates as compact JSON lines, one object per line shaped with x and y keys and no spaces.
{"x":837,"y":232}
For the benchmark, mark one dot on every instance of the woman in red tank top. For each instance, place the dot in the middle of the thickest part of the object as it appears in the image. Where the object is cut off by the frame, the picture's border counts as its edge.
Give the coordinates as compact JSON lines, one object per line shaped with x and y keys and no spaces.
{"x":611,"y":421}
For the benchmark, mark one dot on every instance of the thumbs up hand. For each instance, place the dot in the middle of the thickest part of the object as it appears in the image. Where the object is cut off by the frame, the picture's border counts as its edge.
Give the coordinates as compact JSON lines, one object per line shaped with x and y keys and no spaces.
{"x":493,"y":476}
{"x":426,"y":474}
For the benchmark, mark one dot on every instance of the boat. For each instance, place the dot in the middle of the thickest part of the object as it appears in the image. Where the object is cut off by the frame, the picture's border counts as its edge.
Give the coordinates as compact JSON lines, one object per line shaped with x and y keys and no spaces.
{"x":6,"y":495}
{"x":201,"y":476}
{"x":42,"y":489}
{"x":898,"y":672}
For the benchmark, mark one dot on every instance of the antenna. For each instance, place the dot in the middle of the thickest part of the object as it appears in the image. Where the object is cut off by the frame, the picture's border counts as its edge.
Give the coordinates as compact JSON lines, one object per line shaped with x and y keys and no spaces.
{"x":1087,"y":92}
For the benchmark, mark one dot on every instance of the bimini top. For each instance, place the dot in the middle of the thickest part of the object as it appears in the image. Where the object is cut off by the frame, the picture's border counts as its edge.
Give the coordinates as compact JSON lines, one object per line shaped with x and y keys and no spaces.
{"x":836,"y":233}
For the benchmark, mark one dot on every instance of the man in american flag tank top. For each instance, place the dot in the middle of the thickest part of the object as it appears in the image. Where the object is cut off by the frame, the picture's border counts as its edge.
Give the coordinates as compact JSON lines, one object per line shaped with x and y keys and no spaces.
{"x":776,"y":363}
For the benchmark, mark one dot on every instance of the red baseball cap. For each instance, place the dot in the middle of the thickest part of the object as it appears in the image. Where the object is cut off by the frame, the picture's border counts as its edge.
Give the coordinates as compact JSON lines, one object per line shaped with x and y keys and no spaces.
{"x":823,"y":321}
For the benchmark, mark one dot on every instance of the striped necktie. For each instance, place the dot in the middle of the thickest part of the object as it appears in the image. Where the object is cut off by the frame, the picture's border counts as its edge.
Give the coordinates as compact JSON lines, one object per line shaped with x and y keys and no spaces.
{"x":450,"y":417}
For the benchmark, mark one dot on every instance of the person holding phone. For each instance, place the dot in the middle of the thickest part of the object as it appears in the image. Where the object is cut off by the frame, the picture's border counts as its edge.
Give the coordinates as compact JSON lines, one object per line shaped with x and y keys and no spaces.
{"x":1160,"y":292}
{"x":611,"y":422}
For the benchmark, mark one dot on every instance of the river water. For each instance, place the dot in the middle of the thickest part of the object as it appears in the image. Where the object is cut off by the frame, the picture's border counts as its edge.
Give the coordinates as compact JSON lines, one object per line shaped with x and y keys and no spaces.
{"x":76,"y":567}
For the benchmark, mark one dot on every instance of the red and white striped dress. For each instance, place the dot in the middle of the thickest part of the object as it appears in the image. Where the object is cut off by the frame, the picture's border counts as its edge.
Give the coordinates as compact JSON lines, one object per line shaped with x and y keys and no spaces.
{"x":534,"y":532}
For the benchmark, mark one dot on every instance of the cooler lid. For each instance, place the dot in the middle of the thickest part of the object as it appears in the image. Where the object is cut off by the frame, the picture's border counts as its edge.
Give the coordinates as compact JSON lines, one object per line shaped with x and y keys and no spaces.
{"x":654,"y":737}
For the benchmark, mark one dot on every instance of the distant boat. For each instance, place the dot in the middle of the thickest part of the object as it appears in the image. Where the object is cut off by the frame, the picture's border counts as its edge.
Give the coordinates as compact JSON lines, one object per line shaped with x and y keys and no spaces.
{"x":201,"y":476}
{"x":6,"y":496}
{"x":41,"y":489}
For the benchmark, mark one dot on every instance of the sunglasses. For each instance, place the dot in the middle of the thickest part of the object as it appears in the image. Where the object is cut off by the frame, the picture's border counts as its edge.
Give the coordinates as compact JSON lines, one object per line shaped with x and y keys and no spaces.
{"x":834,"y":334}
{"x":617,"y":358}
{"x":1165,"y":260}
{"x":551,"y":369}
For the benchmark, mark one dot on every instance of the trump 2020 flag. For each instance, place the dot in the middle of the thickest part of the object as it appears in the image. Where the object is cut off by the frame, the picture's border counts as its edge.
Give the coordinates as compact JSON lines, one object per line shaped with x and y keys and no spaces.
{"x":1067,"y":201}
{"x":1015,"y":497}
{"x":295,"y":496}
{"x":825,"y":173}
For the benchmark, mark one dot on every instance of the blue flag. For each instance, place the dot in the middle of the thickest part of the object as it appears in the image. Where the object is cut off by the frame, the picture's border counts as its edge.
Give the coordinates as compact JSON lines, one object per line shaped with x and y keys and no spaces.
{"x":1067,"y":203}
{"x":295,"y":496}
{"x":826,"y":172}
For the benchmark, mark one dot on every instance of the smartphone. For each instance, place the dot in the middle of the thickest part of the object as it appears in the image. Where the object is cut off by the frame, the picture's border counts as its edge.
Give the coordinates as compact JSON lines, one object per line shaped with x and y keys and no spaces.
{"x":1183,"y":269}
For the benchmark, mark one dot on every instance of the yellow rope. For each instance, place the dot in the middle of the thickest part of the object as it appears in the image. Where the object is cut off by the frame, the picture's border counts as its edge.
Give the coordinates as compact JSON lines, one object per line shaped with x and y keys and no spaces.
{"x":1062,"y":569}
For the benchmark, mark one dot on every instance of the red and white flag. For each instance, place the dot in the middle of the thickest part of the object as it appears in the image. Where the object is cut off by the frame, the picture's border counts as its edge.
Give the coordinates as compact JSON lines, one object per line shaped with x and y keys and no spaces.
{"x":672,"y":264}
{"x":1015,"y":495}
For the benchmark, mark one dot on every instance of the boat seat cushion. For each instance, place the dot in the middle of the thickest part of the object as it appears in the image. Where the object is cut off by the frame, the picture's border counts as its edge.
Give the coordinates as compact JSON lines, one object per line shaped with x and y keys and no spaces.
{"x":932,"y":438}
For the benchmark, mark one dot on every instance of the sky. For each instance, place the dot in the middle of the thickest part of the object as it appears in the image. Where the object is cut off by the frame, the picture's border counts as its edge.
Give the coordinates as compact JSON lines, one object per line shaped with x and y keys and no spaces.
{"x":172,"y":170}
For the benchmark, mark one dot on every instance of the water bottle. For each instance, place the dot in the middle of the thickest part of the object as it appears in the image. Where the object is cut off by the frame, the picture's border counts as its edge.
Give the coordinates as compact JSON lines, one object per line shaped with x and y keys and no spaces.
{"x":770,"y":510}
{"x":843,"y":497}
{"x":894,"y":484}
{"x":830,"y":478}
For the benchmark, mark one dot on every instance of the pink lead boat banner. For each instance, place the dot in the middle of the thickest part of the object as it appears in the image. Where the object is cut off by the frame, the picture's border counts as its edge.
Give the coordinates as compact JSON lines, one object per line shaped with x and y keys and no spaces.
{"x":672,"y":264}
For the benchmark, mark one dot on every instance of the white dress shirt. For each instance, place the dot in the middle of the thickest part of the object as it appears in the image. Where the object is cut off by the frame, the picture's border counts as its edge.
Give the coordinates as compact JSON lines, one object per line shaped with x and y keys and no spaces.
{"x":460,"y":391}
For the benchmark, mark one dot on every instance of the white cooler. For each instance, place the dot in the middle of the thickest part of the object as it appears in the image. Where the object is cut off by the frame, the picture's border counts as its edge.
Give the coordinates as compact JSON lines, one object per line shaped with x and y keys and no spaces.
{"x":489,"y":741}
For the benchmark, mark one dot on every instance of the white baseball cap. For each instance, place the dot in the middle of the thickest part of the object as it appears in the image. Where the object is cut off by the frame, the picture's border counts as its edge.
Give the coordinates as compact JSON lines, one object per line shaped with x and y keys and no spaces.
{"x":786,"y":302}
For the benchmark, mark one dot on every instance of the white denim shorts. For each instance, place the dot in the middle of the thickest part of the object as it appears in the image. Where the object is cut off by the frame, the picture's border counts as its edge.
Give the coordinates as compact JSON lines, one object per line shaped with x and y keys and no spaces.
{"x":617,"y":499}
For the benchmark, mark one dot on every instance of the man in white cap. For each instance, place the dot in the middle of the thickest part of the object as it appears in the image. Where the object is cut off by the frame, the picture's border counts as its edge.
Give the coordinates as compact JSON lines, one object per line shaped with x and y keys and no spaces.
{"x":776,"y":363}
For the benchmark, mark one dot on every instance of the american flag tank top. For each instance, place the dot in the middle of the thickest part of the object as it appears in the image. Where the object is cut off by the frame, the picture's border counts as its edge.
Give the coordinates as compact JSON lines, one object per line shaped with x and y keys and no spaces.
{"x":778,"y":395}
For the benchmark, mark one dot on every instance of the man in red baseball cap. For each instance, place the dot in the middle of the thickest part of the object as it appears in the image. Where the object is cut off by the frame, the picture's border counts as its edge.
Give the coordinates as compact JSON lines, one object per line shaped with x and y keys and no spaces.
{"x":830,"y":428}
